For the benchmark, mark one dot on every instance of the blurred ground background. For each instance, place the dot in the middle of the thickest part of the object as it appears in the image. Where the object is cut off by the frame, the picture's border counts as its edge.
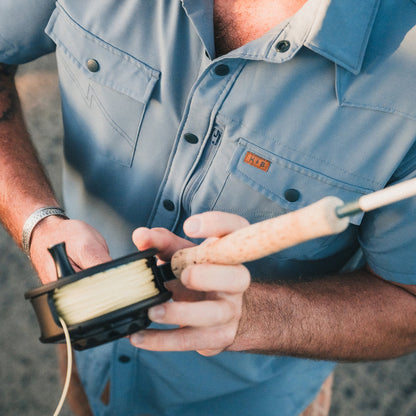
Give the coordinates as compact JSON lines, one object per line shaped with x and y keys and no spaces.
{"x":29,"y":384}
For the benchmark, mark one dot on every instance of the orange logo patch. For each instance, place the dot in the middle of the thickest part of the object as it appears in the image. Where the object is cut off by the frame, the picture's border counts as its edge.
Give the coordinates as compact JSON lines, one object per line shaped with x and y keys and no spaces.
{"x":257,"y":161}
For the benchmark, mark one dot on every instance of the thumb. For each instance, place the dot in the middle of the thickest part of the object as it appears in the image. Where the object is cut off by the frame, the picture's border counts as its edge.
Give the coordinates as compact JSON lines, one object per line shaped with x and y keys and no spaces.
{"x":213,"y":224}
{"x":161,"y":239}
{"x":88,"y":255}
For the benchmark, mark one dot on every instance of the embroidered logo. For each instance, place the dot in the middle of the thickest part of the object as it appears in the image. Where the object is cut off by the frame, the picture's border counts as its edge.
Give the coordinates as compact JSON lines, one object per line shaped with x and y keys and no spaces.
{"x":257,"y":161}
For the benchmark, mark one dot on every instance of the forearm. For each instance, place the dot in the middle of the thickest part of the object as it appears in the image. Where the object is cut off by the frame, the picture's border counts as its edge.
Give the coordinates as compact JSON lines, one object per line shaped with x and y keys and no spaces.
{"x":350,"y":317}
{"x":24,"y":186}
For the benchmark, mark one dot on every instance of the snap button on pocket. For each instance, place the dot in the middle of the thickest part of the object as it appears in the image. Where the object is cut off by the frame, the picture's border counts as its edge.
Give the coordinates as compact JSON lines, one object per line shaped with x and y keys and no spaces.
{"x":93,"y":65}
{"x":292,"y":195}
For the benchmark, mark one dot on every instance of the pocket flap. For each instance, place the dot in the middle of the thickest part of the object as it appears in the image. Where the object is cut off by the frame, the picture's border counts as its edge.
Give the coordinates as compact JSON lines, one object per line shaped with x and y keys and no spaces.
{"x":291,"y":185}
{"x":114,"y":68}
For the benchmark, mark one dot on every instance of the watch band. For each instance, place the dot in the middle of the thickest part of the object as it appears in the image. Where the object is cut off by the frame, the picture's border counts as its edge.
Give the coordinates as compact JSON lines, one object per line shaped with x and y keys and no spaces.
{"x":34,"y":220}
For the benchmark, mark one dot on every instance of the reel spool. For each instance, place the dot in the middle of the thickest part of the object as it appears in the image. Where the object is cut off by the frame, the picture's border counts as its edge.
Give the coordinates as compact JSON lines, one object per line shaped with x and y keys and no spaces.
{"x":62,"y":298}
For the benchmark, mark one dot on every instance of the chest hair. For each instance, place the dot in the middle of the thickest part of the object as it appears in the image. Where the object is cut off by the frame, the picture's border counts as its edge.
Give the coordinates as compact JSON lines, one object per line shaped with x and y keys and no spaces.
{"x":237,"y":22}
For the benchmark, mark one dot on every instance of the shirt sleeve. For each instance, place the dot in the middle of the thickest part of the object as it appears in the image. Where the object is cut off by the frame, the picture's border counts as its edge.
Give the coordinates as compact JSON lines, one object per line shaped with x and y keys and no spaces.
{"x":388,"y":235}
{"x":22,"y":25}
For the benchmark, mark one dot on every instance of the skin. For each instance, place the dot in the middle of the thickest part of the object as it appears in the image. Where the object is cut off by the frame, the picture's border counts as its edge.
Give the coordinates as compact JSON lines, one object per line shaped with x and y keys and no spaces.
{"x":237,"y":22}
{"x":26,"y":188}
{"x":216,"y":308}
{"x":352,"y":317}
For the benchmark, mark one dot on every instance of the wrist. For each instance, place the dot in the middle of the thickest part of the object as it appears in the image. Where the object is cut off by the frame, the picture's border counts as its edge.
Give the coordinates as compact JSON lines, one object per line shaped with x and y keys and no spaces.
{"x":261,"y":328}
{"x":34,"y":220}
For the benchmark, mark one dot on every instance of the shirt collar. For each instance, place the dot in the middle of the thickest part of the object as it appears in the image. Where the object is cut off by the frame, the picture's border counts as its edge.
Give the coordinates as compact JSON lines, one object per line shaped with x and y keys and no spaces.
{"x":336,"y":29}
{"x":341,"y":31}
{"x":200,"y":13}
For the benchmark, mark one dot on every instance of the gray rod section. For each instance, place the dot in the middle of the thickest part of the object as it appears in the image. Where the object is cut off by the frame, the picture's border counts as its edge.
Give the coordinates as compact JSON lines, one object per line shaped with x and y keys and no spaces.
{"x":348,"y":209}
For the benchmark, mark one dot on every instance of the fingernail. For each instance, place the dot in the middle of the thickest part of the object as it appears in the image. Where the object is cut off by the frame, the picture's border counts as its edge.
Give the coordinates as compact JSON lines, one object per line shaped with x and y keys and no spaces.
{"x":185,"y":277}
{"x":156,"y":312}
{"x":192,"y":225}
{"x":137,"y":338}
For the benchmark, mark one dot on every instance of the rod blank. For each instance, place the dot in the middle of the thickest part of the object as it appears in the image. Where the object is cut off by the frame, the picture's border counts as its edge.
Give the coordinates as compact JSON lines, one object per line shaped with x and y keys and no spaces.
{"x":388,"y":195}
{"x":379,"y":199}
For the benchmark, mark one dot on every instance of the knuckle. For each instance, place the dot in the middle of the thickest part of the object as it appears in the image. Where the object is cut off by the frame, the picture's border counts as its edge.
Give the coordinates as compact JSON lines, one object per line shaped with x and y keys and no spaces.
{"x":191,"y":280}
{"x":184,"y":342}
{"x":241,"y":278}
{"x":174,"y":312}
{"x":227,"y":336}
{"x":243,"y":222}
{"x":225,"y":313}
{"x":245,"y":277}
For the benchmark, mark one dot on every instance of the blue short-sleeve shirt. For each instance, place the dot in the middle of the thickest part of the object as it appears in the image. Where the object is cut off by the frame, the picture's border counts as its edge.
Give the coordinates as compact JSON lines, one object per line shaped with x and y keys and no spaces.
{"x":157,"y":128}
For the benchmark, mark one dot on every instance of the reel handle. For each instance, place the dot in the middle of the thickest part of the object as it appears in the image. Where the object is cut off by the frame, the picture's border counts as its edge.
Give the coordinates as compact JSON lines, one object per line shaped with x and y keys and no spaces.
{"x":62,"y":263}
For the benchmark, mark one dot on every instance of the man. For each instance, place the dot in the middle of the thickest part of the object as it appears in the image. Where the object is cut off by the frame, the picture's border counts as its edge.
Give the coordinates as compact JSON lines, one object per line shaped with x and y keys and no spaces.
{"x":251,"y":110}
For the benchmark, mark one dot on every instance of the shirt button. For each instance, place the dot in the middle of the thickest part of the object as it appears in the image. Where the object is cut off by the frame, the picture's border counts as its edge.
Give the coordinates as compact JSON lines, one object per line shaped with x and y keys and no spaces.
{"x":222,"y":69}
{"x":283,"y":46}
{"x":124,"y":359}
{"x":169,"y":205}
{"x":93,"y":65}
{"x":190,"y":138}
{"x":292,"y":195}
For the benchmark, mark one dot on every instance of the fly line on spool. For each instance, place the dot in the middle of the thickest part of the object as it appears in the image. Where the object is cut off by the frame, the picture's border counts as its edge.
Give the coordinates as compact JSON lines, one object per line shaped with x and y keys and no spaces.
{"x":105,"y":292}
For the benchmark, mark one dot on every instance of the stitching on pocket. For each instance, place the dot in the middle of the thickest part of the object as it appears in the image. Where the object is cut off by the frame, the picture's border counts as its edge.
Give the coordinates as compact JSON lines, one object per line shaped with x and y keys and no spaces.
{"x":91,"y":96}
{"x":298,"y":171}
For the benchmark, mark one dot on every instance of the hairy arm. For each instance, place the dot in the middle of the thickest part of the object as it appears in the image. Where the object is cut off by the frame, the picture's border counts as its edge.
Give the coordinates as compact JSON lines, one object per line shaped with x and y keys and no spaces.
{"x":356,"y":316}
{"x":351,"y":317}
{"x":24,"y":188}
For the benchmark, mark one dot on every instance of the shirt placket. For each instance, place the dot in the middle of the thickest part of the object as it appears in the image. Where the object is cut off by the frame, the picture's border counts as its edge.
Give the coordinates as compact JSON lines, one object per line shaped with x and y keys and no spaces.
{"x":204,"y":101}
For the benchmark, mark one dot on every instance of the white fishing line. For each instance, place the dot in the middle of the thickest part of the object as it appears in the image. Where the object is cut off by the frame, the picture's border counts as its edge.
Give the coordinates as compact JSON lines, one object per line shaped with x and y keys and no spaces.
{"x":105,"y":292}
{"x":68,"y":370}
{"x":97,"y":295}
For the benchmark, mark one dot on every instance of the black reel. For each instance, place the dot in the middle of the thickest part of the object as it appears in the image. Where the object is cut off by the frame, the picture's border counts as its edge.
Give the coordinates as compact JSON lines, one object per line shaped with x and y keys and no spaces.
{"x":107,"y":327}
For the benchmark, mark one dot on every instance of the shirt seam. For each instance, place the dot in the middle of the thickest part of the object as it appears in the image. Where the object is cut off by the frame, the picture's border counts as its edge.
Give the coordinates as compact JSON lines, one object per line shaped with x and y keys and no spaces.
{"x":306,"y":171}
{"x":381,"y":108}
{"x":374,"y":184}
{"x":105,"y":45}
{"x":12,"y":48}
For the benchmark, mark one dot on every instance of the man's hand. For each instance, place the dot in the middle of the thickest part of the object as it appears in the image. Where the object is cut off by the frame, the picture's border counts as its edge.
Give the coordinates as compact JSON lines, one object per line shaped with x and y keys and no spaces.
{"x":208,"y":298}
{"x":85,"y":246}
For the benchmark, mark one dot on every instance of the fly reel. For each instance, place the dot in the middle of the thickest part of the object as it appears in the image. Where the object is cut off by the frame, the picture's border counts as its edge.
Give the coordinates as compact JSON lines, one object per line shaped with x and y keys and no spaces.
{"x":102,"y":303}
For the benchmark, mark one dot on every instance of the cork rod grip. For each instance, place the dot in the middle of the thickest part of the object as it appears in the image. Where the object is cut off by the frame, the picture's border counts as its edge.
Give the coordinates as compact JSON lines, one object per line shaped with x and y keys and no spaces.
{"x":267,"y":237}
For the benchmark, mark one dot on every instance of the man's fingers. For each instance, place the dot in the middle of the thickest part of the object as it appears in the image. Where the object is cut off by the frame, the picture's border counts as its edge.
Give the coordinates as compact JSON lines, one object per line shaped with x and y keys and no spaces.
{"x":182,"y":293}
{"x":218,"y":278}
{"x":88,"y":255}
{"x":85,"y":246}
{"x":184,"y":339}
{"x":213,"y":224}
{"x":201,"y":314}
{"x":161,"y":239}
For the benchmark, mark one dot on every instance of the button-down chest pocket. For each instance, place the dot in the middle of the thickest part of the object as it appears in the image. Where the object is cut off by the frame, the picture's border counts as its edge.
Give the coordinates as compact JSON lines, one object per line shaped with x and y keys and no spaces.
{"x":104,"y":90}
{"x":261,"y":184}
